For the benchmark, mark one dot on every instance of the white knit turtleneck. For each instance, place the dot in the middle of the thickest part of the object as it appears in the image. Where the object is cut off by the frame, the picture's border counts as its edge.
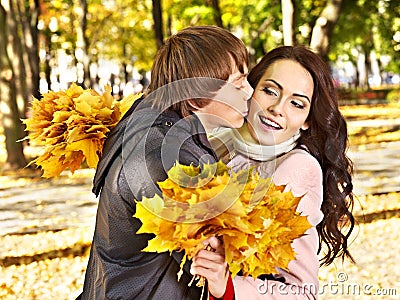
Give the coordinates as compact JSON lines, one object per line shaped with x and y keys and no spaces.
{"x":242,"y":142}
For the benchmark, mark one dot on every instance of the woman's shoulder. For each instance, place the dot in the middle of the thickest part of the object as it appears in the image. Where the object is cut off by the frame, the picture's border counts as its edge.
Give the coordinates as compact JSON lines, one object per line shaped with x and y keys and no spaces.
{"x":298,"y":158}
{"x":299,"y":169}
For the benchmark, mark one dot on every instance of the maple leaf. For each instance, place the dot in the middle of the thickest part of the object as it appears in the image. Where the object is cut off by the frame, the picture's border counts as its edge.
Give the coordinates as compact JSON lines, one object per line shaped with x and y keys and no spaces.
{"x":257,"y":227}
{"x":72,"y":126}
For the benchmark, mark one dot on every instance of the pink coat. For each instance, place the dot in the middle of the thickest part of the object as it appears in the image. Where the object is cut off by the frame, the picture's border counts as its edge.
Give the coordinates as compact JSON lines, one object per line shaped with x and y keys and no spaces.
{"x":302,"y":174}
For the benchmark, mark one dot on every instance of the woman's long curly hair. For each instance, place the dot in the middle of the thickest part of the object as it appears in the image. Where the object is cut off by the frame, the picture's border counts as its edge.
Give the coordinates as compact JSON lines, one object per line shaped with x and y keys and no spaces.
{"x":326,"y":139}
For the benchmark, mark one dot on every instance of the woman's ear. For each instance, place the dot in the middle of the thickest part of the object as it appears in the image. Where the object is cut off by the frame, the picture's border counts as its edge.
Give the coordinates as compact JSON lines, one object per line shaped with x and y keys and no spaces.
{"x":305,"y":126}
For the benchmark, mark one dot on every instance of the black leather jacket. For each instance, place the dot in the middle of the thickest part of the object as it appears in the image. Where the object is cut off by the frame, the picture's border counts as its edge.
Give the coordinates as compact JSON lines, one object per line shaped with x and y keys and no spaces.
{"x":136,"y":155}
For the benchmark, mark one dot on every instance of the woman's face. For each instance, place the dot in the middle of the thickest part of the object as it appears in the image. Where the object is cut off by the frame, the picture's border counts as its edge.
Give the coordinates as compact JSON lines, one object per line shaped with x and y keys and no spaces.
{"x":281,"y":102}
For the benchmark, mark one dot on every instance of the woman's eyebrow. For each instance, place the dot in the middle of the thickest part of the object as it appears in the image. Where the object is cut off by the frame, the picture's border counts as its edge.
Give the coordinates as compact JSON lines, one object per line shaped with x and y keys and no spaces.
{"x":279,"y":86}
{"x":303,"y":96}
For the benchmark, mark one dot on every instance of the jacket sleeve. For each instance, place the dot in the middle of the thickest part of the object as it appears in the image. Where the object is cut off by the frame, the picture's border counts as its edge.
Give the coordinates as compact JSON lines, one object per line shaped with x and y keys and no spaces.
{"x":149,"y":154}
{"x":302,"y":174}
{"x":117,"y":267}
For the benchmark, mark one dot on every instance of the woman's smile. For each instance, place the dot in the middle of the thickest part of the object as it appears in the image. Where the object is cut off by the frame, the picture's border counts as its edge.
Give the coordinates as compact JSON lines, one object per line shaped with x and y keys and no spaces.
{"x":269,"y":123}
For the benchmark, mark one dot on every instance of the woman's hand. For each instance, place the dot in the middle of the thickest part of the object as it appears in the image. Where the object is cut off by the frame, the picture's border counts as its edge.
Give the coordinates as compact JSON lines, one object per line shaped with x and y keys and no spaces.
{"x":211,"y":265}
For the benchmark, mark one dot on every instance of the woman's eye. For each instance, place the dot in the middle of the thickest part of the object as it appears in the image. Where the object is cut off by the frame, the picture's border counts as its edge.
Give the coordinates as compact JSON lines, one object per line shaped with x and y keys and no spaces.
{"x":270,"y":91}
{"x":298,"y":104}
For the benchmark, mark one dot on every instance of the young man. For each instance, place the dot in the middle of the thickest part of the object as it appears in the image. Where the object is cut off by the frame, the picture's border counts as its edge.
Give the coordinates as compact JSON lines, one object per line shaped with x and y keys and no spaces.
{"x":198,"y":82}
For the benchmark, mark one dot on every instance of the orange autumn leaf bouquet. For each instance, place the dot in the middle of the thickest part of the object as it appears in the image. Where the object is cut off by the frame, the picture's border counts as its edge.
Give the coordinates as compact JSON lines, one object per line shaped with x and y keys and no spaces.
{"x":72,"y":125}
{"x":256,"y":220}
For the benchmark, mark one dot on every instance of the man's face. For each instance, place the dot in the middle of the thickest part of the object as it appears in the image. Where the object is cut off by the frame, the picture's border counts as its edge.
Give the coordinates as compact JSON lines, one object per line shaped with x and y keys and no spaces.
{"x":229,"y":107}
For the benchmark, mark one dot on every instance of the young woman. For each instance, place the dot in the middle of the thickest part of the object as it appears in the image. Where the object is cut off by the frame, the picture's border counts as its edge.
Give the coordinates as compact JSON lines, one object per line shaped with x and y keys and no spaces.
{"x":295,"y":134}
{"x":194,"y":67}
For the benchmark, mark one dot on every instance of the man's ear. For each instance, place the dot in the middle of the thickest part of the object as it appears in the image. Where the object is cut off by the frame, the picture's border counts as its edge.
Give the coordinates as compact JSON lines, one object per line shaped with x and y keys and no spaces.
{"x":193,"y":104}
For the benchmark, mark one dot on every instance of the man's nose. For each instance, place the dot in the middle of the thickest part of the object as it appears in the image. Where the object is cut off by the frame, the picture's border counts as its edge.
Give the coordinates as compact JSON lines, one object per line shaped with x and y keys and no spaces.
{"x":248,"y":89}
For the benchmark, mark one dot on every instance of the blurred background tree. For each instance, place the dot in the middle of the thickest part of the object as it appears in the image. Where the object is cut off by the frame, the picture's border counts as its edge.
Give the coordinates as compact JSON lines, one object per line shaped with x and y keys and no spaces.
{"x":50,"y":44}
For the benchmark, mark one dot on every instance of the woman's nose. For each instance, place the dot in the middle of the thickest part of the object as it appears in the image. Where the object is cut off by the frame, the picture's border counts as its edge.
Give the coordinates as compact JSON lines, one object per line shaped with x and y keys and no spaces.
{"x":276,"y":108}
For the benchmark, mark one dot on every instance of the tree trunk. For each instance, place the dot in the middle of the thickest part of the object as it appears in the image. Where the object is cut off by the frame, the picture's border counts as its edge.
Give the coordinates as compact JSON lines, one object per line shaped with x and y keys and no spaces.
{"x":367,"y":68}
{"x":12,"y":125}
{"x":30,"y":12}
{"x":324,"y":26}
{"x":46,"y":63}
{"x":288,"y":22}
{"x":217,"y":13}
{"x":169,"y":26}
{"x":157,"y":18}
{"x":17,"y":57}
{"x":82,"y":55}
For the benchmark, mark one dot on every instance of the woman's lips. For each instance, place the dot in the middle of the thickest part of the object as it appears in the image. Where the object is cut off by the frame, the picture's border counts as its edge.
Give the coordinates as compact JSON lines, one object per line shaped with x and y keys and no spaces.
{"x":270,"y":123}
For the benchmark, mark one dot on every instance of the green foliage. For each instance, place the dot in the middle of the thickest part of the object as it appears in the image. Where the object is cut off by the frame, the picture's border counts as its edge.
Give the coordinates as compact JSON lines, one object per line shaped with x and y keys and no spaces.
{"x":122,"y":30}
{"x":393,"y":96}
{"x":124,"y":33}
{"x":365,"y":26}
{"x":188,"y":13}
{"x":119,"y":30}
{"x":257,"y":23}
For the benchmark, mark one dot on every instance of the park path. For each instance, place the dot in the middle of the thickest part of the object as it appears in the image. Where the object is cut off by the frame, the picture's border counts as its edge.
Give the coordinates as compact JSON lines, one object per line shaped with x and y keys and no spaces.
{"x":377,"y":169}
{"x":42,"y":204}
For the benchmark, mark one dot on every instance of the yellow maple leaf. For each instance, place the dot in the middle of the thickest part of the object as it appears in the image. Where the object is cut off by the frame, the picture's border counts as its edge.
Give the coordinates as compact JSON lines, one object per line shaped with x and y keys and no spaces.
{"x":61,"y":116}
{"x":73,"y":91}
{"x":89,"y":148}
{"x":126,"y":103}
